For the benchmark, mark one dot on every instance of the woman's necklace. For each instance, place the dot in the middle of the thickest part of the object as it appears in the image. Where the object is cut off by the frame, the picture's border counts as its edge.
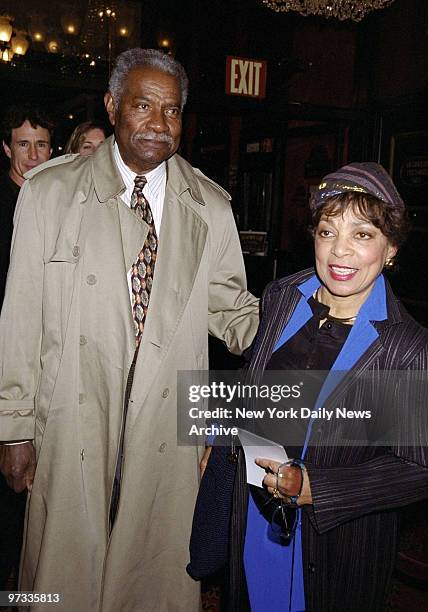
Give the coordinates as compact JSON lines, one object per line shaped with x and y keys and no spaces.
{"x":330,"y":317}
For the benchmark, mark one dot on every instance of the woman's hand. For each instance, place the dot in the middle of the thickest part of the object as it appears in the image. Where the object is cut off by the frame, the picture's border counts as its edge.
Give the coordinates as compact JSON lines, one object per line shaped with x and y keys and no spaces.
{"x":289,"y":483}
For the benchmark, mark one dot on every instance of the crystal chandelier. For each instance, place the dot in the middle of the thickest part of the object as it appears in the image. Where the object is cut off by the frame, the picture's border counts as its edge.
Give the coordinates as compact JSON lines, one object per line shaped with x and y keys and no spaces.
{"x":341,"y":9}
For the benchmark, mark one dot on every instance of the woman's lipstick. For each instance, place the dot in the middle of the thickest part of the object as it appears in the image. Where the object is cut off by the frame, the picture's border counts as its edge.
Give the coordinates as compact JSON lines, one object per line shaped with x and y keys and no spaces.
{"x":342,"y":273}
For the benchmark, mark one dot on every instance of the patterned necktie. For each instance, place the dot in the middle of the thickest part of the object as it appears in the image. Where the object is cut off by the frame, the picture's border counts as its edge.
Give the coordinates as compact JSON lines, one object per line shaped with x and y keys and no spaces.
{"x":143,"y":269}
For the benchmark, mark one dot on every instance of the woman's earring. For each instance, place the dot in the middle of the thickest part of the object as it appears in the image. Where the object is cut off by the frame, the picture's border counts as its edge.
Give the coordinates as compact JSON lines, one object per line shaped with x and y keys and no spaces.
{"x":389,"y":262}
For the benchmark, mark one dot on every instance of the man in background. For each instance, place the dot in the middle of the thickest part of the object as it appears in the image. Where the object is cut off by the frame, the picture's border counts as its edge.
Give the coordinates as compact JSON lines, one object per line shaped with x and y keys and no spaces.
{"x":26,"y":137}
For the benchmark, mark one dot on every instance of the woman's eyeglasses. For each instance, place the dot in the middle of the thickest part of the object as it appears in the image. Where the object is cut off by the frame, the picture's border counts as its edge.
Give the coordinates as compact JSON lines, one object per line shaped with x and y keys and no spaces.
{"x":282,"y":518}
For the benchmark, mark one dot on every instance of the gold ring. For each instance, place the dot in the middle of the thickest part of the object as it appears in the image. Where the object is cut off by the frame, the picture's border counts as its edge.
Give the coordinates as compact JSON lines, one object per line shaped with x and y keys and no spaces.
{"x":276,"y":493}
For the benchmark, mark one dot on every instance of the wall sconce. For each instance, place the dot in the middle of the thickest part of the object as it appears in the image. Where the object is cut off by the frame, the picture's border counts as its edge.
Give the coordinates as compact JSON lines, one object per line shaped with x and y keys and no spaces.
{"x":53,"y":44}
{"x":165,"y":43}
{"x":37,"y":28}
{"x":71,"y":24}
{"x":6,"y":55}
{"x":20,"y":43}
{"x":124,"y":22}
{"x":11,"y":44}
{"x":6,"y":28}
{"x":123,"y":31}
{"x":6,"y":31}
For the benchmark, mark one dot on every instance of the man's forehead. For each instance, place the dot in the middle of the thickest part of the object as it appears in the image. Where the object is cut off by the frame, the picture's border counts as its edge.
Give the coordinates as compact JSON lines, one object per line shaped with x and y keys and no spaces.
{"x":140,"y":76}
{"x":26,"y":129}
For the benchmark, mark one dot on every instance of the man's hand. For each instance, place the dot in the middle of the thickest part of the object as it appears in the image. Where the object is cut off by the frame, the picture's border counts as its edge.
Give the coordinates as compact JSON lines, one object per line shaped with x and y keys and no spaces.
{"x":18,"y":465}
{"x":204,"y":460}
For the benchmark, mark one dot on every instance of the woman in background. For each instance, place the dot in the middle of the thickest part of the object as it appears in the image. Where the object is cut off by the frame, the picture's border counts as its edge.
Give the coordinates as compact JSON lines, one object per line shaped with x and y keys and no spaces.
{"x":85,"y":138}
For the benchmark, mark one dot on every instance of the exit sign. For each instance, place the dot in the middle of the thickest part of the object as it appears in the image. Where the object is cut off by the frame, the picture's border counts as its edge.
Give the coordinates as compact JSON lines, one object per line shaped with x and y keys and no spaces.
{"x":245,"y":77}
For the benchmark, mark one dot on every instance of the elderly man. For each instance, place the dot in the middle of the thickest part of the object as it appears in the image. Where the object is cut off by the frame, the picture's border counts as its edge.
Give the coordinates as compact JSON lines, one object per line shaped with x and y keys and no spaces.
{"x":121,"y":264}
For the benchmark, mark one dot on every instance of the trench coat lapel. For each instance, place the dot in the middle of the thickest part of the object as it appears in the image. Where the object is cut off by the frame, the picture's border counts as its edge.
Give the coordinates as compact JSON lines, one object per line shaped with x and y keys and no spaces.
{"x":134,"y":232}
{"x":109,"y":186}
{"x":181,"y":244}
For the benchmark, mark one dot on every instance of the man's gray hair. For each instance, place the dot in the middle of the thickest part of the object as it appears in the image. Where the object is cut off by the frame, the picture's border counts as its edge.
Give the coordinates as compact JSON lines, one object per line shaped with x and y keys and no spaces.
{"x":138,"y":58}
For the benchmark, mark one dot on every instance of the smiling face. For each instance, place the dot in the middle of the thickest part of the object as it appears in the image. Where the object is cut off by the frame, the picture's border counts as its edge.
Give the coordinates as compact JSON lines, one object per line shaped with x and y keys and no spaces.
{"x":350,"y":253}
{"x":92,"y":139}
{"x":29,"y":147}
{"x":147,"y":119}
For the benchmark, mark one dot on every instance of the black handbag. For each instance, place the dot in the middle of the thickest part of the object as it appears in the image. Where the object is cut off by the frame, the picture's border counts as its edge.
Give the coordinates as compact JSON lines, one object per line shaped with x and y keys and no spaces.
{"x":209,"y":541}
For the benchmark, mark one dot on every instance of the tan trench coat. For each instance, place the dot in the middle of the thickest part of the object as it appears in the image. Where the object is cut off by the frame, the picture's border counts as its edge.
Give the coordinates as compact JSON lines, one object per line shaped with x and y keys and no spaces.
{"x":67,"y":341}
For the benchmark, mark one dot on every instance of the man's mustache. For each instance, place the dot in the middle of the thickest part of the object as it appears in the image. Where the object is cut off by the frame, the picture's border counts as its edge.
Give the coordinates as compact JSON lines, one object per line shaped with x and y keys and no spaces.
{"x":154,"y":136}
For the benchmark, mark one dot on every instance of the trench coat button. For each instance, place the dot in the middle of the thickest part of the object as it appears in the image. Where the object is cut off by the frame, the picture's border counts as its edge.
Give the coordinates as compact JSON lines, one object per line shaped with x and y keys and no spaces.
{"x":82,"y":398}
{"x":83,"y":340}
{"x":311,"y":567}
{"x":76,"y":251}
{"x":82,"y":454}
{"x":91,"y":279}
{"x":165,"y":392}
{"x":162,"y":447}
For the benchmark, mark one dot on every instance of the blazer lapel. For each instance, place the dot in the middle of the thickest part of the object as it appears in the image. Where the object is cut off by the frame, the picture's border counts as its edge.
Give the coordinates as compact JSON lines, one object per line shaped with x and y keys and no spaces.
{"x":344,"y":380}
{"x":360,"y":349}
{"x":302,"y":312}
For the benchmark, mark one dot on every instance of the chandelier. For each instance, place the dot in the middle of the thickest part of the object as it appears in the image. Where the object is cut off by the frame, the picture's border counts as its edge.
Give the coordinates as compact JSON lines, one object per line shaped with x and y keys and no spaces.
{"x":341,"y":9}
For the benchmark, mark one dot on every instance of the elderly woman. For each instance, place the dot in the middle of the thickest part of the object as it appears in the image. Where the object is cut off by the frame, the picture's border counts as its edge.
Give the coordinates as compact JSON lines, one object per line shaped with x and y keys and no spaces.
{"x":86,"y":138}
{"x":341,"y":318}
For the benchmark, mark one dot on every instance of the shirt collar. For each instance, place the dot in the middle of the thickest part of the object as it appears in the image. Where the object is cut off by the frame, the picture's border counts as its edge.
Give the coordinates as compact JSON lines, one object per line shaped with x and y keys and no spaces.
{"x":373,"y":309}
{"x":153,"y":177}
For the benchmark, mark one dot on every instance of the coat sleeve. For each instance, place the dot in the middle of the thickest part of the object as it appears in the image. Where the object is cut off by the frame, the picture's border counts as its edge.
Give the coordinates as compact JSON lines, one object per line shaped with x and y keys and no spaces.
{"x":394,"y":479}
{"x":341,"y":494}
{"x":21,"y":324}
{"x":233,"y":312}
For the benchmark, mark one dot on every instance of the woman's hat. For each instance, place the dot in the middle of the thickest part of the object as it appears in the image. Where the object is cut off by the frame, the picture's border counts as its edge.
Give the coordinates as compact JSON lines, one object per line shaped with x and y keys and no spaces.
{"x":365,"y":177}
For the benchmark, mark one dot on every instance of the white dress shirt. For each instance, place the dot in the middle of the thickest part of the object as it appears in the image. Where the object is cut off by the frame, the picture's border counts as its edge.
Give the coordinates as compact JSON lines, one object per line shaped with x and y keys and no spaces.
{"x":154,"y":191}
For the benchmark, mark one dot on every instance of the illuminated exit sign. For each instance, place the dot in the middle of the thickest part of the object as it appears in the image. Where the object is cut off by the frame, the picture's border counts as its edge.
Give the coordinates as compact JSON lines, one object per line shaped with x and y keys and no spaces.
{"x":245,"y":77}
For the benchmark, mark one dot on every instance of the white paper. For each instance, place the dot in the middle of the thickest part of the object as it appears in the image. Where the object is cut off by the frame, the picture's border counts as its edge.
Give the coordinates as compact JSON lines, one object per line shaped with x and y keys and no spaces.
{"x":255,"y":446}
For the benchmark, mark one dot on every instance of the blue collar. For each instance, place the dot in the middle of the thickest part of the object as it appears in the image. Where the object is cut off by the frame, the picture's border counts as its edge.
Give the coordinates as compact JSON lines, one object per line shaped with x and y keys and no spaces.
{"x":373,"y":309}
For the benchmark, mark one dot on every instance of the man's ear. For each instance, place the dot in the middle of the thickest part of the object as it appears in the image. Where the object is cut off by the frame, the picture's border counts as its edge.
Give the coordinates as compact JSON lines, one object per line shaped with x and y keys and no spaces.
{"x":7,"y":150}
{"x":110,"y":107}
